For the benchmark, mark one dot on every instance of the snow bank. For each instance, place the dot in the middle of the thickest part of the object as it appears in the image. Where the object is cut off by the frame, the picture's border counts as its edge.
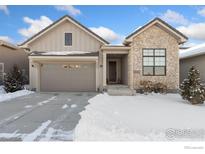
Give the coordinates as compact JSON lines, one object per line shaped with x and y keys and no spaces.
{"x":2,"y":91}
{"x":7,"y":96}
{"x":137,"y":118}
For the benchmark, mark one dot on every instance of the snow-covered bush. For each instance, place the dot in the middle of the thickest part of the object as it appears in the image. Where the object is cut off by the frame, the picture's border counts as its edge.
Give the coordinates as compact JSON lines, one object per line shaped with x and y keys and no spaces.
{"x":149,"y":86}
{"x":160,"y":88}
{"x":191,"y":88}
{"x":146,"y":87}
{"x":14,"y":80}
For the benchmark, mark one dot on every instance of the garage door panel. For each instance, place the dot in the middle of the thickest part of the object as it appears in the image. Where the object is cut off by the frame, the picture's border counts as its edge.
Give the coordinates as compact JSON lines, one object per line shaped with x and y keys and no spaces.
{"x":68,"y":77}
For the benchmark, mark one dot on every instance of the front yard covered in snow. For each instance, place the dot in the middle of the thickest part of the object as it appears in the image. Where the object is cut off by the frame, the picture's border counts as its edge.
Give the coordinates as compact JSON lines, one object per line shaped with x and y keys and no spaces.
{"x":7,"y":96}
{"x":152,"y":117}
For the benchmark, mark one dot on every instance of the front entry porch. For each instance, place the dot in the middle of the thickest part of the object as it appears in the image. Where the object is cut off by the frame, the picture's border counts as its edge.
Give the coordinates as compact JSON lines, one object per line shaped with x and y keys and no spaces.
{"x":119,"y":90}
{"x":117,"y":69}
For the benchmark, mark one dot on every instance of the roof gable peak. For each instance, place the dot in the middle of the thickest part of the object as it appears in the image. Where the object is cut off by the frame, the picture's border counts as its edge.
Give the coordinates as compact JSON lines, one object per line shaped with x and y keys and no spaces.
{"x":157,"y":20}
{"x":54,"y":24}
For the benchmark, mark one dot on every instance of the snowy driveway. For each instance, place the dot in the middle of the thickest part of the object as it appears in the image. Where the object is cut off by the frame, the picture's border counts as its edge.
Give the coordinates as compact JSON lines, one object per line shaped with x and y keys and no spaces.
{"x":41,"y":116}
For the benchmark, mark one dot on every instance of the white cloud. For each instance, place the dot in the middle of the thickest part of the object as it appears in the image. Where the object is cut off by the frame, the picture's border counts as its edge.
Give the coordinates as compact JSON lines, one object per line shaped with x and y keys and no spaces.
{"x":5,"y":9}
{"x":174,"y":17}
{"x":35,"y":25}
{"x":107,"y":34}
{"x":69,"y":8}
{"x":201,"y":12}
{"x":6,"y":39}
{"x":194,"y":30}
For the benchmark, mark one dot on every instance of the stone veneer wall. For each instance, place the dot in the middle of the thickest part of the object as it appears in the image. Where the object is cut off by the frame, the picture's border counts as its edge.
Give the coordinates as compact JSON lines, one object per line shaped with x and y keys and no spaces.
{"x":155,"y":37}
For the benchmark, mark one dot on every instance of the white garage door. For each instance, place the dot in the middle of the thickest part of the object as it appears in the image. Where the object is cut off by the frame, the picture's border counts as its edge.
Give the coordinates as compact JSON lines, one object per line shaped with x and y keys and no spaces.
{"x":68,"y":77}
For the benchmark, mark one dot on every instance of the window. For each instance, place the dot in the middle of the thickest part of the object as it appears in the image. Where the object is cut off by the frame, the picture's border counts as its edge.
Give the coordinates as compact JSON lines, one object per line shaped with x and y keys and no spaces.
{"x":154,"y":62}
{"x":68,"y":39}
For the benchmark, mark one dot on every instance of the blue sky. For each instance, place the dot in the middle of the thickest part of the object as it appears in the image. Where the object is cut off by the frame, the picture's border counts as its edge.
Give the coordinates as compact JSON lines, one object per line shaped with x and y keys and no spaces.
{"x":111,"y":22}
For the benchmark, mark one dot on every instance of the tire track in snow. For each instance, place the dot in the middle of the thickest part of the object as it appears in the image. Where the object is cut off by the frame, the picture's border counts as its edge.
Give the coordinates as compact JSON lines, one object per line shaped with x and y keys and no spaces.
{"x":24,"y":112}
{"x":54,"y":132}
{"x":26,"y":137}
{"x":38,"y":132}
{"x":47,"y":131}
{"x":48,"y":135}
{"x":56,"y":135}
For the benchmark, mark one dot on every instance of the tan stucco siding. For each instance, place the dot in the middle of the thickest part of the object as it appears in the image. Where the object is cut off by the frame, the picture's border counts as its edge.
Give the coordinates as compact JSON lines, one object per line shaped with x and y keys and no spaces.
{"x":154,"y":37}
{"x":53,"y":40}
{"x":10,"y":57}
{"x":198,"y":62}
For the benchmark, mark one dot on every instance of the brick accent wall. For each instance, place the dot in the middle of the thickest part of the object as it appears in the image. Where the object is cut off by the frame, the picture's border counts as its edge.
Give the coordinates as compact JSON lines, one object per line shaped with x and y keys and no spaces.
{"x":155,"y":37}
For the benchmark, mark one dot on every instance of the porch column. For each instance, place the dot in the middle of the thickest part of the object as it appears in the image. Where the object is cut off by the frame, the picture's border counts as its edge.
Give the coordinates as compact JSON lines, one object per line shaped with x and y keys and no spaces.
{"x":97,"y":75}
{"x":104,"y":68}
{"x":30,"y":73}
{"x":130,"y":70}
{"x":38,"y":77}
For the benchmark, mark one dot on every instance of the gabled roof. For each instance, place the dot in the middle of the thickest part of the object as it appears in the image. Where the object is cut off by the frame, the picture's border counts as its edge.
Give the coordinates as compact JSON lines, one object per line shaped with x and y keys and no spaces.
{"x":7,"y":44}
{"x":192,"y":52}
{"x":66,"y":17}
{"x":159,"y":21}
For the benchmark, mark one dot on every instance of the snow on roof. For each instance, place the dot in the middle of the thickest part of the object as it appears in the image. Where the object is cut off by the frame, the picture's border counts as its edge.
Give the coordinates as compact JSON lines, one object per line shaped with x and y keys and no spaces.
{"x":64,"y":52}
{"x":61,"y":53}
{"x":7,"y":44}
{"x":193,"y":51}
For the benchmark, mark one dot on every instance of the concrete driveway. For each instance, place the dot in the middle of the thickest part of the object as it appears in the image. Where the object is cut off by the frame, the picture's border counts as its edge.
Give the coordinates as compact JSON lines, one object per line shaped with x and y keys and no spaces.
{"x":42,"y":116}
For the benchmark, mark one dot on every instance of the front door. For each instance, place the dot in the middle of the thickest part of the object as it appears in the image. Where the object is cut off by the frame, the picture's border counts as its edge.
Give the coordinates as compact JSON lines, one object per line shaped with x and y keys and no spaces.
{"x":112,"y":71}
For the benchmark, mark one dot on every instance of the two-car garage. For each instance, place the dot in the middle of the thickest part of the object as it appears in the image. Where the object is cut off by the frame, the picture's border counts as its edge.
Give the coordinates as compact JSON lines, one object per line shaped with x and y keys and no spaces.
{"x":66,"y":74}
{"x":68,"y":77}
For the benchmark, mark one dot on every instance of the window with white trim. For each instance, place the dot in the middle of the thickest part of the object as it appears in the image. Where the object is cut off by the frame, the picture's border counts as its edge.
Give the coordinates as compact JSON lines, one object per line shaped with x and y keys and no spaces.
{"x":154,"y":62}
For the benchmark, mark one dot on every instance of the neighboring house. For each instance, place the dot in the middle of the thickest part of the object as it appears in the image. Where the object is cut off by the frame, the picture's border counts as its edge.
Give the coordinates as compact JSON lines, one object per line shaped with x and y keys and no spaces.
{"x":11,"y":55}
{"x":194,"y":56}
{"x":67,"y":56}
